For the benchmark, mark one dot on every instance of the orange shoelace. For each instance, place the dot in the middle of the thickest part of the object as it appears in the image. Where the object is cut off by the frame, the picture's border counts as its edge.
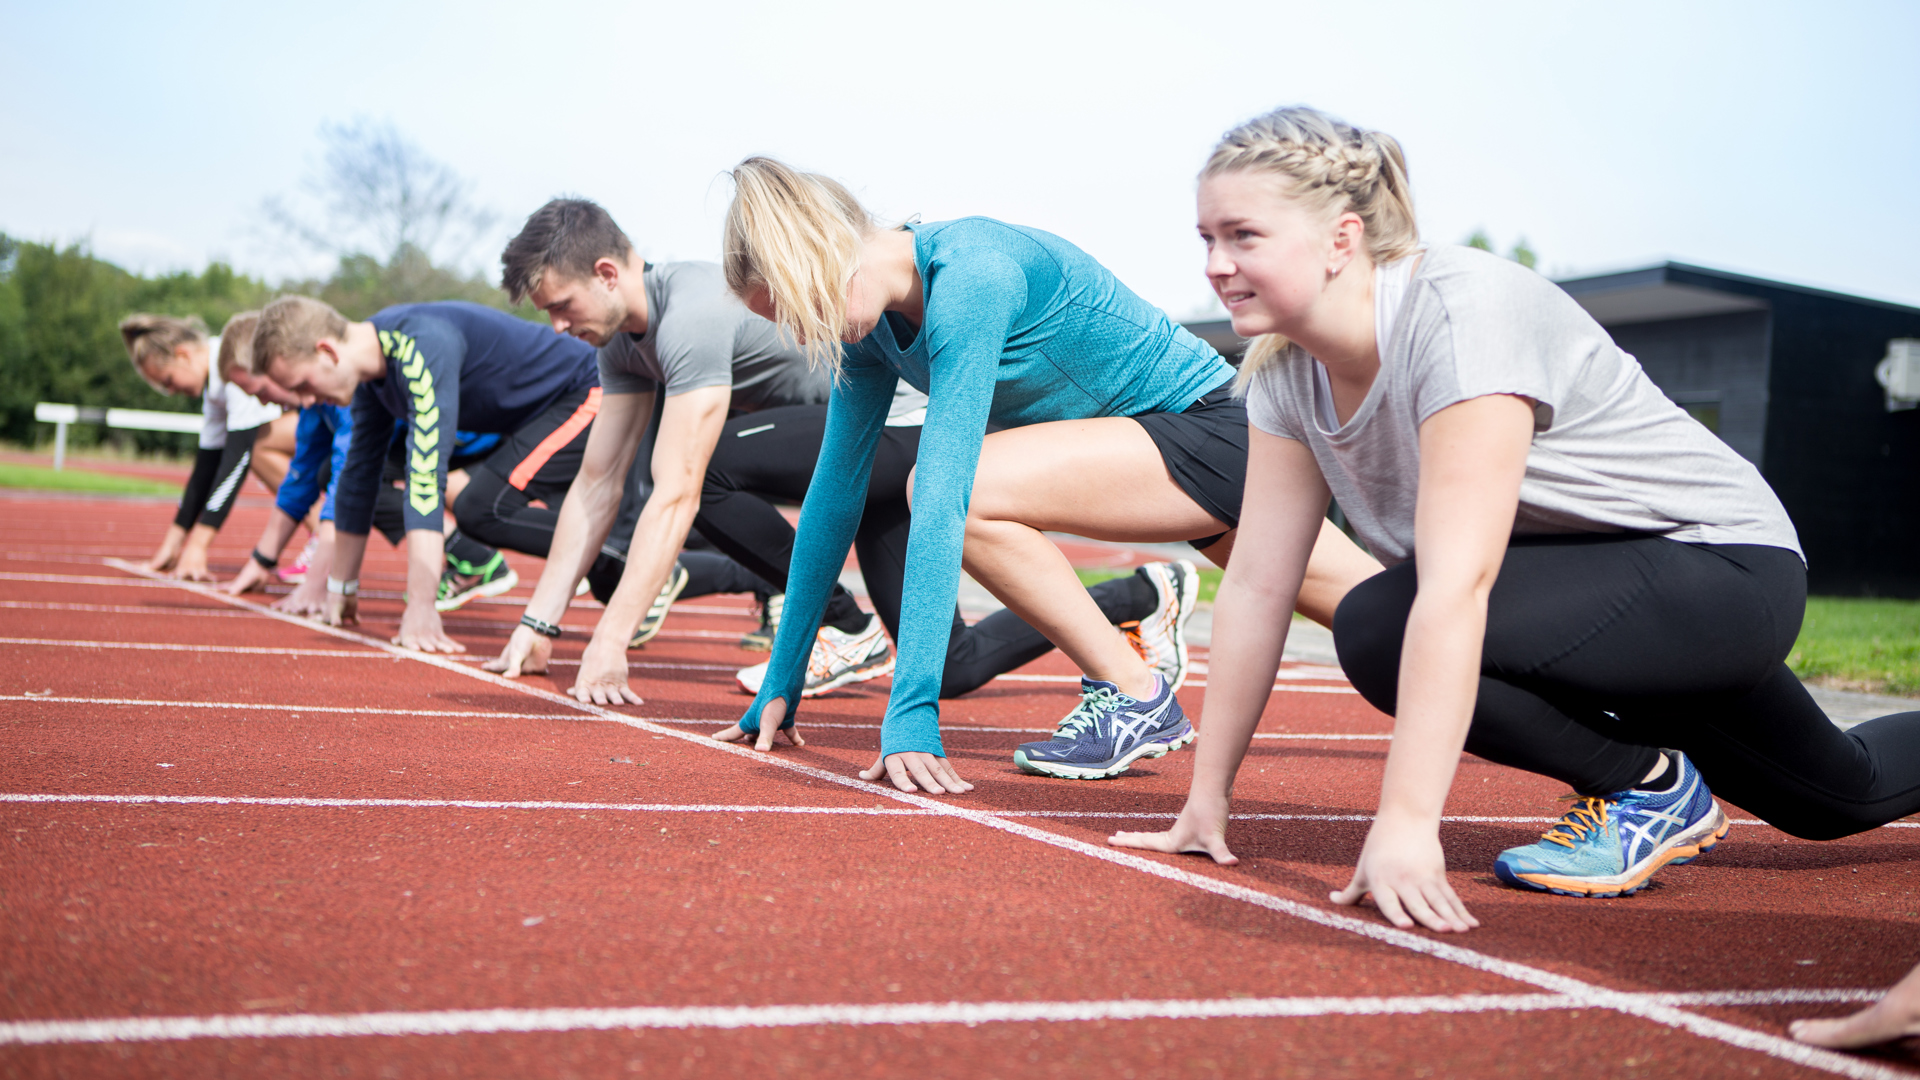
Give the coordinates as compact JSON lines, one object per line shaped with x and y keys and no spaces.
{"x":1588,"y":814}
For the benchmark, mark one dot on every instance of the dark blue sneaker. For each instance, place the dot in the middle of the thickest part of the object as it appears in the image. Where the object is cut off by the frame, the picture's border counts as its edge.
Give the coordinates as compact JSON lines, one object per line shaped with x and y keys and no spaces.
{"x":1107,"y":732}
{"x":1610,"y":846}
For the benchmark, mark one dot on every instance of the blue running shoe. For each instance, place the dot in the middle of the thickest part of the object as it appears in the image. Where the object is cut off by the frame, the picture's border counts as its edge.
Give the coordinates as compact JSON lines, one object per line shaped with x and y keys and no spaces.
{"x":1611,"y":845}
{"x":1107,"y":732}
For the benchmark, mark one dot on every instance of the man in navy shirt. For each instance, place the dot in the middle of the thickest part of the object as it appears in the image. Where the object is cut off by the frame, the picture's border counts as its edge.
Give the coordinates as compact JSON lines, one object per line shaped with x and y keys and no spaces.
{"x":437,"y":368}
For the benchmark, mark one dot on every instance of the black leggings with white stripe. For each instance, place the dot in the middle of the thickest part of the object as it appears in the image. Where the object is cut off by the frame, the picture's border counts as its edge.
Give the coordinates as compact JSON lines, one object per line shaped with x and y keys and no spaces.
{"x":1601,"y":648}
{"x":214,"y":485}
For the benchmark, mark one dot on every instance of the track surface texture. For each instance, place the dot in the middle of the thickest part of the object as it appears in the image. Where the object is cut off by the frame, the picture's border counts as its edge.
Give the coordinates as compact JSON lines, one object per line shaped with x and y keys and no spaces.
{"x":243,"y":845}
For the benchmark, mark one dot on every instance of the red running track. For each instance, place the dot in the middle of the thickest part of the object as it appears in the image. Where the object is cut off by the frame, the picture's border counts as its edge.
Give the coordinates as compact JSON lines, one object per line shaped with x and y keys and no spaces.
{"x":242,"y":845}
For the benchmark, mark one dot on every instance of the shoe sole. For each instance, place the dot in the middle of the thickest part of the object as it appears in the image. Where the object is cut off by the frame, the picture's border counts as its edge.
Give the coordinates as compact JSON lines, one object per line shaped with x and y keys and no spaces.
{"x":757,"y":642}
{"x":647,"y":633}
{"x":1188,"y":577}
{"x":1060,"y":771}
{"x":883,"y":666}
{"x":504,"y":583}
{"x":1679,"y":849}
{"x":860,"y":674}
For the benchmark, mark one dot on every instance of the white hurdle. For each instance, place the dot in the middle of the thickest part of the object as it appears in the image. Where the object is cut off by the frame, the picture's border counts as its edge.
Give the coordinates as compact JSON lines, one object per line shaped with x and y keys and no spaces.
{"x":60,"y":416}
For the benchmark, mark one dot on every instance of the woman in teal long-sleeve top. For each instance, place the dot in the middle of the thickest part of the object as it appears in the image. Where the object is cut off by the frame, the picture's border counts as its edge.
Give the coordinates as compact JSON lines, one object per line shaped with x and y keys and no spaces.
{"x":1011,"y":326}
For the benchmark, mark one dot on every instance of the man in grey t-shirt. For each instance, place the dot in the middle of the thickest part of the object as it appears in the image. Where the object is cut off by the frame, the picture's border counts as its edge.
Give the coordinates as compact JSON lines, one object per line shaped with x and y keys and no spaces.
{"x":699,"y":335}
{"x":671,"y":330}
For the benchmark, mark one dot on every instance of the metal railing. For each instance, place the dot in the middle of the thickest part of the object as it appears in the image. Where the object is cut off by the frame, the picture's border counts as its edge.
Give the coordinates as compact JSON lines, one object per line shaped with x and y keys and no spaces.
{"x":60,"y":416}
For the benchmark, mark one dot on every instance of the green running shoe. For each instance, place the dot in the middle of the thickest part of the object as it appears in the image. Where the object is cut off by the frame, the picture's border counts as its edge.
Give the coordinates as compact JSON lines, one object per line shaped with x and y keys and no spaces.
{"x":462,"y":582}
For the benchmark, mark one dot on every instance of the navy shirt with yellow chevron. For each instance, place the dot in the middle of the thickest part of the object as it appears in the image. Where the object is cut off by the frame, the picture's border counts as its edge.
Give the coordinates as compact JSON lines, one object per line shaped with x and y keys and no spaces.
{"x":450,"y":366}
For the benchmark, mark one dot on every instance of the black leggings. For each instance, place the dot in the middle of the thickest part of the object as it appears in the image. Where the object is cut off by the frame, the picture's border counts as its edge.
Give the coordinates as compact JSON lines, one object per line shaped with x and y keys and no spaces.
{"x":1601,"y":648}
{"x":771,"y":454}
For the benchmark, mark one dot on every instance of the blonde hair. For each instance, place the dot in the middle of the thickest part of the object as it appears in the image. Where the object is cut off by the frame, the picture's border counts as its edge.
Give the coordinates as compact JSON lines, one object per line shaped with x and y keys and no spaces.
{"x":1331,"y":166}
{"x":799,"y":236}
{"x":151,"y":340}
{"x":290,"y":327}
{"x":236,"y":344}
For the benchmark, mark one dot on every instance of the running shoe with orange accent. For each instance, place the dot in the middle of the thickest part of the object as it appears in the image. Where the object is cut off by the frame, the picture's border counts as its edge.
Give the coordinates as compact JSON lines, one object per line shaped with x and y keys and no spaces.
{"x":838,"y":658}
{"x":1161,"y":637}
{"x":1611,"y":845}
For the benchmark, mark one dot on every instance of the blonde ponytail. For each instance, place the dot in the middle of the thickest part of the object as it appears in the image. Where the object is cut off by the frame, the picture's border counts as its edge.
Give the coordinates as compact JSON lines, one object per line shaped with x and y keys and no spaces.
{"x":1330,"y":165}
{"x":799,"y":236}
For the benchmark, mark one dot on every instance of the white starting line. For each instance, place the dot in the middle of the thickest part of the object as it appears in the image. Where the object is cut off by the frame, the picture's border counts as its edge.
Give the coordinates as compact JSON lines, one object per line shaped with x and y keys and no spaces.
{"x":1581,"y":994}
{"x":969,"y":1013}
{"x":704,"y":808}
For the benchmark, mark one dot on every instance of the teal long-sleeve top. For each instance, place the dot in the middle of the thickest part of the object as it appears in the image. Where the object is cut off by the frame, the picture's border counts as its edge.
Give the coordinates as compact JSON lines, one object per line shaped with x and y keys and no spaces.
{"x":1020,"y":328}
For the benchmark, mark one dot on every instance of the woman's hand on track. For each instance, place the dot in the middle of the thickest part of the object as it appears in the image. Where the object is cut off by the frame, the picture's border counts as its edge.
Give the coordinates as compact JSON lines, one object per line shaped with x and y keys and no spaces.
{"x":1199,"y":830}
{"x":770,"y":720}
{"x":1405,"y":870}
{"x":526,"y":653}
{"x":308,"y":599}
{"x":341,"y":610}
{"x":420,"y":629}
{"x":192,"y":565}
{"x":603,"y":675}
{"x":917,"y":771}
{"x":250,"y":577}
{"x":166,"y":556}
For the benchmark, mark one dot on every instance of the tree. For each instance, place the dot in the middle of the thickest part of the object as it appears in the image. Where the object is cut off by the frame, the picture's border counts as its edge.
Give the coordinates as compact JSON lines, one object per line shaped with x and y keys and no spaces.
{"x":1521,"y":252}
{"x":378,"y":193}
{"x":60,"y":310}
{"x":398,"y":222}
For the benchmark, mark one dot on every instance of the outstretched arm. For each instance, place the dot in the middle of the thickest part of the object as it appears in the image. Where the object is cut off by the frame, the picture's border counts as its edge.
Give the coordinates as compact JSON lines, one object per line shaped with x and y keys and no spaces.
{"x":1286,"y":500}
{"x":1472,"y":457}
{"x":586,"y":516}
{"x":836,"y":499}
{"x":689,"y":426}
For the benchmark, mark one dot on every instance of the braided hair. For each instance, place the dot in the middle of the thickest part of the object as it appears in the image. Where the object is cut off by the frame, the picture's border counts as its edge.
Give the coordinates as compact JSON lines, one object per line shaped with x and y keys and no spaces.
{"x":1328,"y":164}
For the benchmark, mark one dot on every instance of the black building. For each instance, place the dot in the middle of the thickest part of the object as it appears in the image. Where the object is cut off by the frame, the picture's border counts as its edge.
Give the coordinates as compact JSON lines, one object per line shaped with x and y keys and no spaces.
{"x":1784,"y":374}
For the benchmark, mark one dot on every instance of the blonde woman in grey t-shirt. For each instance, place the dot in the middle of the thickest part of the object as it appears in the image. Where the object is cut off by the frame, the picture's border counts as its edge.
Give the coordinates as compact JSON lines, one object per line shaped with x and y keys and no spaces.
{"x":1579,"y":575}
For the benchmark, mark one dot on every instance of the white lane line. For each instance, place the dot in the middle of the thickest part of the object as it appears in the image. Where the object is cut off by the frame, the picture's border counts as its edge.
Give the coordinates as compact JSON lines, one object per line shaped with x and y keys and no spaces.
{"x":126,"y":609}
{"x":354,"y":710}
{"x":460,"y":804}
{"x":537,"y":804}
{"x":161,"y":646}
{"x":1419,"y":943}
{"x":83,"y":579}
{"x":365,"y":711}
{"x":733,"y":1018}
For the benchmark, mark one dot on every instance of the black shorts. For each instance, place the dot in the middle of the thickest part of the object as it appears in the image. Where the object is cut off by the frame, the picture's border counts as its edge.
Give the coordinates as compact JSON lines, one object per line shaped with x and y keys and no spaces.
{"x":544,"y":456}
{"x":1205,"y":448}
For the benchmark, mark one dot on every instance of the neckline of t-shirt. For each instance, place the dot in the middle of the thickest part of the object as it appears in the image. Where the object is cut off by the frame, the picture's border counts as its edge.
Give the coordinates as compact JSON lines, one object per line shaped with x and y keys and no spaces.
{"x":1323,"y":384}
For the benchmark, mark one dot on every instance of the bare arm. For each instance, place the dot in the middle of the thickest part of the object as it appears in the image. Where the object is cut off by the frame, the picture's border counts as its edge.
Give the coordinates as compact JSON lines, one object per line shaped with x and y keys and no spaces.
{"x":273,"y":540}
{"x":420,"y":627}
{"x":1286,"y":500}
{"x":586,"y":516}
{"x":689,"y":427}
{"x":1472,"y":458}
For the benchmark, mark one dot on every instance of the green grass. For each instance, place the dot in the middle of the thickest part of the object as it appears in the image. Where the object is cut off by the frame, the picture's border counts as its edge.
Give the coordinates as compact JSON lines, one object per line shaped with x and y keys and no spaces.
{"x":42,"y":478}
{"x":1209,"y":579}
{"x":1855,"y":644}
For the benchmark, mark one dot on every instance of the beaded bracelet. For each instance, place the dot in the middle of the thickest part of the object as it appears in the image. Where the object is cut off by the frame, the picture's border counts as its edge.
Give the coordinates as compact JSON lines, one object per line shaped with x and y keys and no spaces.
{"x":540,"y":626}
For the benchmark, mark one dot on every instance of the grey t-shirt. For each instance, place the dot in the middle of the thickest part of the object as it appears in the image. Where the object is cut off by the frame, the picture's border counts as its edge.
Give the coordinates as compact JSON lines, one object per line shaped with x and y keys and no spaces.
{"x":700,"y":335}
{"x":1610,"y":452}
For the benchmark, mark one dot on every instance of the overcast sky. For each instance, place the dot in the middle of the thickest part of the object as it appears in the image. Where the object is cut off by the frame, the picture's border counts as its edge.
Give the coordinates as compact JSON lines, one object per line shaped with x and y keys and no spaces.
{"x":1781,"y":140}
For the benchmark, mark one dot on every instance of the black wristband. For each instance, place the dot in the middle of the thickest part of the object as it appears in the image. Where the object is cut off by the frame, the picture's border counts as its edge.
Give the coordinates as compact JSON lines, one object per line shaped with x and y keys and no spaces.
{"x":544,"y":629}
{"x":265,"y":563}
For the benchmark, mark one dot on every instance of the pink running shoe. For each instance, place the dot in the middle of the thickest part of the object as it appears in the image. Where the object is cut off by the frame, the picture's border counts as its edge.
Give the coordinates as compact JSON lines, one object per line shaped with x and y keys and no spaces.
{"x":295,"y":572}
